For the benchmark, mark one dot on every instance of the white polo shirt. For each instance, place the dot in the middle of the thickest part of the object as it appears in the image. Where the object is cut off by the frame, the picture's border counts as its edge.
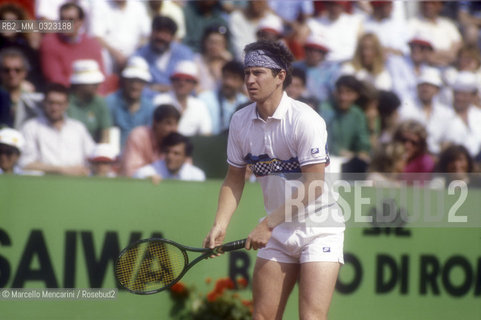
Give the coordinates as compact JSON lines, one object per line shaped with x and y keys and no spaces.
{"x":187,"y":172}
{"x":69,"y":146}
{"x":468,"y":135}
{"x":276,"y":149}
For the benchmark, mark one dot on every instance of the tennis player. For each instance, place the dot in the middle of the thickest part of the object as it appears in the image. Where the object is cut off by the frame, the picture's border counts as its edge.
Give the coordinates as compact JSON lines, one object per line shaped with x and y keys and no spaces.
{"x":282,"y":141}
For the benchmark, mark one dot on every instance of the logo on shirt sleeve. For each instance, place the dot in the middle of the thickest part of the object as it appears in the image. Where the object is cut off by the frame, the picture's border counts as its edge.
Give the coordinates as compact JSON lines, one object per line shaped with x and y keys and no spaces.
{"x":314,"y":150}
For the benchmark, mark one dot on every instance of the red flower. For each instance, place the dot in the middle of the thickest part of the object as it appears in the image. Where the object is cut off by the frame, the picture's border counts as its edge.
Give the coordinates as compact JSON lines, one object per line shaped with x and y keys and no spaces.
{"x":242,"y":283}
{"x":179,"y":290}
{"x":212,"y":296}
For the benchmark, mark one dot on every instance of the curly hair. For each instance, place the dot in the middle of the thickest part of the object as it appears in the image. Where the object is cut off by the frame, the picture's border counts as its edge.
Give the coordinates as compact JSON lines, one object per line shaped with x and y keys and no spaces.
{"x":279,"y":53}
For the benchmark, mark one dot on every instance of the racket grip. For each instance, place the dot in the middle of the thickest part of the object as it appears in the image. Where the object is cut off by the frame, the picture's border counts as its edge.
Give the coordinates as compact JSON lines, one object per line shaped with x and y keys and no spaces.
{"x":234,"y":245}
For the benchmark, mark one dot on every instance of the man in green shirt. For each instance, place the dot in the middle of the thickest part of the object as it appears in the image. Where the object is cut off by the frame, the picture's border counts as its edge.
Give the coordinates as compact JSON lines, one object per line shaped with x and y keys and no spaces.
{"x":85,"y":105}
{"x":346,"y":122}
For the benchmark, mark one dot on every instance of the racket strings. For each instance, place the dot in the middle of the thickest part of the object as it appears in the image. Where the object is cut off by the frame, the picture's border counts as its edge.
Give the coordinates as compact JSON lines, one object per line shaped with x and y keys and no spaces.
{"x":150,"y":266}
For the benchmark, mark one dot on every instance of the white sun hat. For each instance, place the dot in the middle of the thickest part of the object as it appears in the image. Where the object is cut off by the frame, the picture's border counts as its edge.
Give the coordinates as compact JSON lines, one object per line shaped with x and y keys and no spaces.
{"x":137,"y":68}
{"x":103,"y":152}
{"x":186,"y":69}
{"x":465,"y":82}
{"x":86,"y":72}
{"x":431,"y":76}
{"x":272,"y":24}
{"x":12,"y":137}
{"x":317,"y":42}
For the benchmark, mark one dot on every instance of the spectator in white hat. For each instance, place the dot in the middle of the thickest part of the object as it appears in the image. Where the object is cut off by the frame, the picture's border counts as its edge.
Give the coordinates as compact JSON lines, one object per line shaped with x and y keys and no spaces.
{"x":464,"y":129}
{"x":54,"y":143}
{"x":319,"y":72}
{"x":195,"y":118}
{"x":427,"y":109}
{"x":131,"y":105}
{"x":11,"y":145}
{"x":270,"y":28}
{"x":85,"y":104}
{"x":405,"y":70}
{"x":102,"y":161}
{"x":441,"y":31}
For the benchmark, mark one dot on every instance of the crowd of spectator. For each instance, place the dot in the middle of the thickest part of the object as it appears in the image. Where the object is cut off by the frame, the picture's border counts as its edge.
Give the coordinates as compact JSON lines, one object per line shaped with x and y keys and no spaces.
{"x":397,"y":82}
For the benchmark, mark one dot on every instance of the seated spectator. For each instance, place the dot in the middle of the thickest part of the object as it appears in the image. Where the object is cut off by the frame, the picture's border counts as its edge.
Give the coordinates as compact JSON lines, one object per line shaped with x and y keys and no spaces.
{"x":243,"y":24}
{"x":442,"y":32}
{"x":194,"y":115}
{"x":162,"y":53}
{"x":103,"y":160}
{"x":11,"y":145}
{"x":387,"y":165}
{"x":223,"y":102}
{"x":24,"y":102}
{"x":297,"y":88}
{"x":177,"y":149}
{"x":58,"y":51}
{"x":384,"y":25}
{"x":144,"y":143}
{"x":340,"y":28}
{"x":55,"y":143}
{"x":405,"y":70}
{"x":468,"y":59}
{"x":199,"y":15}
{"x":427,"y":110}
{"x":131,"y":106}
{"x":368,"y":63}
{"x":454,"y":163}
{"x":121,"y":27}
{"x":270,"y":28}
{"x":464,"y":129}
{"x":213,"y":55}
{"x":388,"y":104}
{"x":85,"y":105}
{"x":26,"y":43}
{"x":413,"y":135}
{"x":346,"y":122}
{"x":171,"y":9}
{"x":319,"y":72}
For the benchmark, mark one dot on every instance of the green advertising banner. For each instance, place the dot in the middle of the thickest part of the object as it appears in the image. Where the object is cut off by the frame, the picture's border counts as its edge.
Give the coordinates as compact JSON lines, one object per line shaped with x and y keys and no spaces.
{"x":60,"y":232}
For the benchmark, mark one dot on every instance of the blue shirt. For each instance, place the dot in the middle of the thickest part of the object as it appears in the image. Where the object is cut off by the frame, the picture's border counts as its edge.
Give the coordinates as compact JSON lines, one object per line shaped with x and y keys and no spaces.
{"x":221,"y":119}
{"x":161,"y":70}
{"x":319,"y":79}
{"x":126,"y":120}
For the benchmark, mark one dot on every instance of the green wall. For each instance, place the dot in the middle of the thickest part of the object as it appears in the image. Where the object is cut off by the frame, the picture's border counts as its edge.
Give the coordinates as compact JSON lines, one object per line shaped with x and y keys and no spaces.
{"x":66,"y":232}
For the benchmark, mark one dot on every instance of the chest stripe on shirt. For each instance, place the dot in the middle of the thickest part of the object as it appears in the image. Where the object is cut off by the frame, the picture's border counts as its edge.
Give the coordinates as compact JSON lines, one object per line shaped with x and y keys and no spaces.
{"x":264,"y":165}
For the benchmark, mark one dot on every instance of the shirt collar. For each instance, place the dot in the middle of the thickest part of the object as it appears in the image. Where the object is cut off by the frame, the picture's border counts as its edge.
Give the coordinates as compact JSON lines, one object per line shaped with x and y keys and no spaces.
{"x":280,"y":112}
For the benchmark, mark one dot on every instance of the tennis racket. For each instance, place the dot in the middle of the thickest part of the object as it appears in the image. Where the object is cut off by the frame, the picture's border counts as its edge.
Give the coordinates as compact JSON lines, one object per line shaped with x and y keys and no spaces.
{"x":151,"y":265}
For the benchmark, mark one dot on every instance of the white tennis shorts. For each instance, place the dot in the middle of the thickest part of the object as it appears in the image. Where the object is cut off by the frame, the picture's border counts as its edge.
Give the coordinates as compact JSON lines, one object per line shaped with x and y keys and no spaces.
{"x":301,"y":243}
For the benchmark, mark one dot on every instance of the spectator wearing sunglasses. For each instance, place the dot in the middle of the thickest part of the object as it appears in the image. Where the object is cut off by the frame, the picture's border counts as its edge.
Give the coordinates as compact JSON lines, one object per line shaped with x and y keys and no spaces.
{"x":413,"y":136}
{"x":11,"y":145}
{"x":14,"y":68}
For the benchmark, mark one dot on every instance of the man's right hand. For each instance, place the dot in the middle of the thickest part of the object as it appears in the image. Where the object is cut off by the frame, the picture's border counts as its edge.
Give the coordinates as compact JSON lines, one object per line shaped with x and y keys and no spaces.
{"x":214,"y":238}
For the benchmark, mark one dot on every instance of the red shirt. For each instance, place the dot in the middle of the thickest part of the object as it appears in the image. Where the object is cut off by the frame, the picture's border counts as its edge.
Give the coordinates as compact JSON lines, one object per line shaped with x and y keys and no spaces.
{"x":57,"y":56}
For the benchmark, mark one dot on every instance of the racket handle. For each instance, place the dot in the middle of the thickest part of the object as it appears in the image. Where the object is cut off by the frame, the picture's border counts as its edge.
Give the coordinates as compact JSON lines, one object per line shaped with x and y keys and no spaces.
{"x":234,"y":245}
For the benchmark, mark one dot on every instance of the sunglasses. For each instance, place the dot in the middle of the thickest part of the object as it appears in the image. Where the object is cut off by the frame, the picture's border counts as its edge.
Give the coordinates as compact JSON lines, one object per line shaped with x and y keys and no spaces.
{"x":8,"y":70}
{"x":411,"y":141}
